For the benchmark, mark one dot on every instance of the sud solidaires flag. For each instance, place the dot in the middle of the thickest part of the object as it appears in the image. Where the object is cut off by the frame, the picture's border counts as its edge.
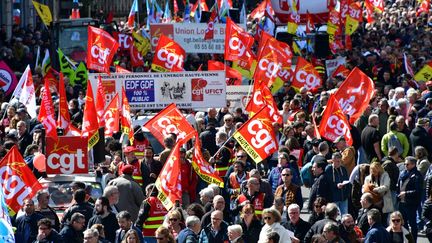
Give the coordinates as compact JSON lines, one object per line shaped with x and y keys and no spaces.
{"x":257,"y":136}
{"x":132,"y":13}
{"x":63,"y":119}
{"x":334,"y":122}
{"x":355,"y":93}
{"x":238,"y":43}
{"x":170,"y":120}
{"x":305,"y":75}
{"x":46,"y":113}
{"x":261,"y":96}
{"x":232,"y":76}
{"x":90,"y":124}
{"x":111,"y":116}
{"x":126,"y":121}
{"x":100,"y":102}
{"x":101,"y":48}
{"x":209,"y":32}
{"x":168,"y":182}
{"x":202,"y":167}
{"x":17,"y":180}
{"x":165,"y":47}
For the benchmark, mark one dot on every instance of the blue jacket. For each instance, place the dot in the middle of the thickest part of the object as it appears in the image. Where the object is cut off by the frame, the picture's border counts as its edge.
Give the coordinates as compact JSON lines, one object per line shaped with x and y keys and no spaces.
{"x":22,"y":222}
{"x":377,"y":234}
{"x":335,"y":176}
{"x":414,"y":188}
{"x":274,"y":177}
{"x":186,"y":235}
{"x":206,"y":235}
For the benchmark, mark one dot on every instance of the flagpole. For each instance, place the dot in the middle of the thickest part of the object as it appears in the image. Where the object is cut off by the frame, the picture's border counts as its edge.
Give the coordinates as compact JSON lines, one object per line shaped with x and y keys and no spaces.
{"x":138,"y":14}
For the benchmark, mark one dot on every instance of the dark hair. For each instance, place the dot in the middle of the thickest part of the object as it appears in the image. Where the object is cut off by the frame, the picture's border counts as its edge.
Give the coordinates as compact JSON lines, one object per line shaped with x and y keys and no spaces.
{"x":273,"y":236}
{"x":198,"y":209}
{"x":79,"y":196}
{"x":76,"y":216}
{"x":124,"y":215}
{"x":375,"y":215}
{"x":46,"y":222}
{"x":104,"y":202}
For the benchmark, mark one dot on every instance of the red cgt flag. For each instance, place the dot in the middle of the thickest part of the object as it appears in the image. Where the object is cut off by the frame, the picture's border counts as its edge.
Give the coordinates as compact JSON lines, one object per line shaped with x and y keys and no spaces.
{"x":169,"y":181}
{"x":261,"y":96}
{"x":111,"y":116}
{"x":119,"y":69}
{"x":306,"y":76}
{"x":257,"y":136}
{"x":90,"y":124}
{"x":126,"y":121}
{"x":258,"y":12}
{"x":63,"y":119}
{"x":238,"y":43}
{"x":100,"y":102}
{"x":202,"y":167}
{"x":355,"y":93}
{"x":334,"y":122}
{"x":209,"y":32}
{"x":46,"y":113}
{"x":310,"y":25}
{"x":17,"y":180}
{"x":170,"y":120}
{"x":341,"y":70}
{"x":169,"y":56}
{"x":232,"y":76}
{"x":101,"y":48}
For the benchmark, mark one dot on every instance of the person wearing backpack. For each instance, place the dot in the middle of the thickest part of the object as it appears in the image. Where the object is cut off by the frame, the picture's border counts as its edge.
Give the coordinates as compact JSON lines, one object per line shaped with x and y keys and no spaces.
{"x":395,"y":139}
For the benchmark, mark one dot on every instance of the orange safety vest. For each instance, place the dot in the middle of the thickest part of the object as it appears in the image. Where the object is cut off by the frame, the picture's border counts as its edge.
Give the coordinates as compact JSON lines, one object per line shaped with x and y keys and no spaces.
{"x":221,"y":170}
{"x":258,"y":203}
{"x":233,"y":180}
{"x":155,"y":218}
{"x":136,"y":175}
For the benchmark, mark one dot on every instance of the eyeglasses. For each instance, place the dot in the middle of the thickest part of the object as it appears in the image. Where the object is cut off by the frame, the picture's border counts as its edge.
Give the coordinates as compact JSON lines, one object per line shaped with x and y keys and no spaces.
{"x":267,"y":218}
{"x":173,"y":219}
{"x":241,"y":156}
{"x":282,"y":158}
{"x":396,"y":220}
{"x":43,"y":228}
{"x":228,"y":120}
{"x":317,"y":206}
{"x":286,"y":174}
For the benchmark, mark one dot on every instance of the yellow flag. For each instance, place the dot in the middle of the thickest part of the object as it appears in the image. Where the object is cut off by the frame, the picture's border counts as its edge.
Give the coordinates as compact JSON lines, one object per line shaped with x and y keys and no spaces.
{"x":296,"y":48}
{"x":351,"y":25}
{"x":292,"y":28}
{"x":247,"y":73}
{"x":44,"y":12}
{"x":141,"y":43}
{"x":425,"y":74}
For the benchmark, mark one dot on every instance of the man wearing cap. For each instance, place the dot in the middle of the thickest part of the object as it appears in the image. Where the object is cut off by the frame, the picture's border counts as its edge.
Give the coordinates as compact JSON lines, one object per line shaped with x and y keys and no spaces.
{"x":419,"y":135}
{"x":131,"y":194}
{"x":131,"y":159}
{"x":347,"y":152}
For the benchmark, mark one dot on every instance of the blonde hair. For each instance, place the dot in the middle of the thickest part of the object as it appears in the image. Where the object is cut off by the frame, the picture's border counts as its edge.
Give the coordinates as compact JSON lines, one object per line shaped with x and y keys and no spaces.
{"x":396,"y":214}
{"x":162,"y":230}
{"x":377,"y":166}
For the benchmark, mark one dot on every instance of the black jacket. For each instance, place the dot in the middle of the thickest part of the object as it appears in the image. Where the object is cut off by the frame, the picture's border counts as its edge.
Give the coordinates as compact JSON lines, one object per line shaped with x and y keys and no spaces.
{"x":251,"y":233}
{"x":318,"y":228}
{"x":53,"y":237}
{"x":320,"y":188}
{"x":300,"y":229}
{"x":420,"y":137}
{"x":85,"y":209}
{"x":70,"y":235}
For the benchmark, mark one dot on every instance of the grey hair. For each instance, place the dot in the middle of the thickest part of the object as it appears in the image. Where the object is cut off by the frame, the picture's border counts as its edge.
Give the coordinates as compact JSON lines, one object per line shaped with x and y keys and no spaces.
{"x":208,"y":192}
{"x":235,"y":228}
{"x":109,"y":190}
{"x":192,"y":221}
{"x":92,"y":232}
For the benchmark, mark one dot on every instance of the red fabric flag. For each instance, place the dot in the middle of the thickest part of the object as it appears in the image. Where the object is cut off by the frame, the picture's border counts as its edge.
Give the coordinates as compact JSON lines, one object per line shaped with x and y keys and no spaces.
{"x":334,"y":123}
{"x":100,"y":102}
{"x":17,"y":180}
{"x":169,"y":56}
{"x":111,"y":116}
{"x":170,"y":120}
{"x":341,"y":70}
{"x":306,"y":76}
{"x":257,"y":136}
{"x":135,"y":57}
{"x":232,"y":76}
{"x":119,"y":69}
{"x":310,"y":25}
{"x":209,"y":32}
{"x":110,"y":17}
{"x":424,"y":7}
{"x":73,"y":131}
{"x":126,"y":121}
{"x":261,"y":96}
{"x":202,"y":167}
{"x":46,"y":113}
{"x":238,"y":43}
{"x":168,"y":182}
{"x":348,"y":43}
{"x":63,"y":119}
{"x":203,"y":5}
{"x":90,"y":124}
{"x":369,"y":9}
{"x":49,"y":76}
{"x":101,"y":48}
{"x":176,"y":9}
{"x":258,"y":12}
{"x":355,"y":93}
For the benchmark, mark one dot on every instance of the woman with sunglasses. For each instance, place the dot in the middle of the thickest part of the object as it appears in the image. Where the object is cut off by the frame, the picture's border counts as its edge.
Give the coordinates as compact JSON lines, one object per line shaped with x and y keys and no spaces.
{"x":174,"y":222}
{"x":272,"y":219}
{"x":250,"y":224}
{"x":163,"y":235}
{"x":398,"y":233}
{"x":318,"y":210}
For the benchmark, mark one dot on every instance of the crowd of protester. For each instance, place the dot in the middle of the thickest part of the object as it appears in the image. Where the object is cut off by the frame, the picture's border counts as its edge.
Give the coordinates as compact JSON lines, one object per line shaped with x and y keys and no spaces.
{"x":377,"y":190}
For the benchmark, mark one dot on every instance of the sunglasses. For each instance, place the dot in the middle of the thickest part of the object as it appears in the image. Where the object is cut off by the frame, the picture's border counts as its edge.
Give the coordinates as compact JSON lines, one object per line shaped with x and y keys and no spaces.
{"x":160,"y":238}
{"x":317,"y":206}
{"x":241,"y":156}
{"x":173,"y":219}
{"x":267,"y":218}
{"x":286,"y":174}
{"x":396,"y":220}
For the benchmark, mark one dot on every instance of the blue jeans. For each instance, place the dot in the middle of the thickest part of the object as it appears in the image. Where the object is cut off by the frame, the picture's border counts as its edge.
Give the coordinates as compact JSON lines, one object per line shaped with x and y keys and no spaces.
{"x":343,"y":206}
{"x":409,"y":215}
{"x":149,"y":239}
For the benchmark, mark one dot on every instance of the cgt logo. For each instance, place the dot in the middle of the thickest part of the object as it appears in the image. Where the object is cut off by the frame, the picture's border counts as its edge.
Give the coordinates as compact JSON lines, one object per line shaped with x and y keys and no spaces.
{"x":66,"y":162}
{"x":271,"y":68}
{"x":168,"y":127}
{"x":68,"y":155}
{"x":170,"y":59}
{"x":235,"y":44}
{"x":13,"y":186}
{"x":261,"y":137}
{"x":309,"y":80}
{"x":339,"y":127}
{"x":156,"y":30}
{"x":100,"y":54}
{"x":198,"y":85}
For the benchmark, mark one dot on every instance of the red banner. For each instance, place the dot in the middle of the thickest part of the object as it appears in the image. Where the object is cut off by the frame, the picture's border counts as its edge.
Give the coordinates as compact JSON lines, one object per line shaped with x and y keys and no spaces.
{"x":67,"y":155}
{"x":169,"y":56}
{"x":257,"y":136}
{"x":170,"y":120}
{"x":46,"y":113}
{"x":126,"y":121}
{"x":232,"y":76}
{"x":261,"y":96}
{"x":306,"y":76}
{"x":355,"y":93}
{"x":310,"y":25}
{"x":121,"y":70}
{"x":209,"y":32}
{"x":341,"y":70}
{"x":169,"y":181}
{"x":101,"y":48}
{"x":90,"y":123}
{"x":63,"y":119}
{"x":100,"y":102}
{"x":238,"y":43}
{"x":111,"y":116}
{"x":17,"y":180}
{"x":203,"y":168}
{"x":334,"y":123}
{"x":125,"y":41}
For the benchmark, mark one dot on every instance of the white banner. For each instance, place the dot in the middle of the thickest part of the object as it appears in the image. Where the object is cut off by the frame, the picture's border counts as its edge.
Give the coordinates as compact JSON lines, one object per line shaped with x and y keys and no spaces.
{"x":190,"y":36}
{"x":332,"y":64}
{"x":157,"y":90}
{"x":238,"y":96}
